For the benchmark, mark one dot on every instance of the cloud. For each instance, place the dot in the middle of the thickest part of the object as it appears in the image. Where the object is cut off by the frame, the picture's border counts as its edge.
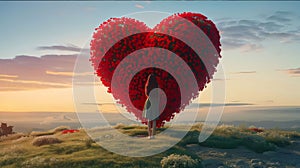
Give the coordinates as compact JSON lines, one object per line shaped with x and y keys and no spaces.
{"x":68,"y":73}
{"x":60,"y":48}
{"x":270,"y":26}
{"x":249,"y":35}
{"x":220,"y":79}
{"x":8,"y":76}
{"x":139,"y":6}
{"x":202,"y":105}
{"x":29,"y":72}
{"x":248,"y":22}
{"x":28,"y":84}
{"x":269,"y":101}
{"x":280,"y":16}
{"x":293,"y":71}
{"x":59,"y":73}
{"x":101,"y":104}
{"x":245,"y":72}
{"x":285,"y":13}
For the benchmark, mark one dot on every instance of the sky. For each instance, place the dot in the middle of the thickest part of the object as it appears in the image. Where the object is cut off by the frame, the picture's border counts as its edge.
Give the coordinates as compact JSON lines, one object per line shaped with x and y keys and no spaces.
{"x":39,"y":43}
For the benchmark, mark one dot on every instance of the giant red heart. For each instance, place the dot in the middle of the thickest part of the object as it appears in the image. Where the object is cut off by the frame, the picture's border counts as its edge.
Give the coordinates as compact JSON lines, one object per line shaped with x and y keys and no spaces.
{"x":117,"y":38}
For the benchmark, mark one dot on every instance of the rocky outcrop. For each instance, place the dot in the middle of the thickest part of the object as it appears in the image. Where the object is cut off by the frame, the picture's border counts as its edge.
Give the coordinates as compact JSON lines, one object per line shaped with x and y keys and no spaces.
{"x":5,"y":130}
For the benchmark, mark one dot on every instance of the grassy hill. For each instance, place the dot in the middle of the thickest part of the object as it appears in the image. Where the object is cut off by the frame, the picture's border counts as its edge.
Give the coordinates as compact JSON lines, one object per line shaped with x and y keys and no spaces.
{"x":54,"y":149}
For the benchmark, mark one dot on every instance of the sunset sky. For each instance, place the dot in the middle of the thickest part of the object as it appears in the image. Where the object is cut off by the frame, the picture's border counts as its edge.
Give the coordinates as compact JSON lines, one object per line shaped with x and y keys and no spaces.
{"x":39,"y":42}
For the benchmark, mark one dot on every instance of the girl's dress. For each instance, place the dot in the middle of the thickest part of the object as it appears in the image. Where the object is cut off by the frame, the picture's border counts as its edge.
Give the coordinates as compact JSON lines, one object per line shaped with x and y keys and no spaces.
{"x":151,"y":108}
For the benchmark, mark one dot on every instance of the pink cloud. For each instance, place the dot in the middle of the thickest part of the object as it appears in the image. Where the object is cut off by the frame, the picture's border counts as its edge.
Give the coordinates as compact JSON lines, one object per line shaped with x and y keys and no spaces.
{"x":295,"y":72}
{"x":29,"y":72}
{"x":139,"y":6}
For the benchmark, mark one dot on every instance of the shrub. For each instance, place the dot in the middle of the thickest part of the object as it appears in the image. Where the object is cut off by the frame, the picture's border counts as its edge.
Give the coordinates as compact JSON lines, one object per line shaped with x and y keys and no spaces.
{"x":38,"y":133}
{"x":50,"y":132}
{"x":222,"y":142}
{"x":14,"y":150}
{"x":119,"y":126}
{"x":11,"y":137}
{"x":257,"y":144}
{"x":276,"y":138}
{"x":190,"y":138}
{"x":89,"y":142}
{"x":45,"y":140}
{"x":60,"y":129}
{"x":178,"y":161}
{"x":228,"y":137}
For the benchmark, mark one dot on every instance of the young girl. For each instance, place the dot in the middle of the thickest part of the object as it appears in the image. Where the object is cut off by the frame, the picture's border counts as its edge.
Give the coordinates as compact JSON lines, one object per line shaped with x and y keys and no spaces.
{"x":151,"y":107}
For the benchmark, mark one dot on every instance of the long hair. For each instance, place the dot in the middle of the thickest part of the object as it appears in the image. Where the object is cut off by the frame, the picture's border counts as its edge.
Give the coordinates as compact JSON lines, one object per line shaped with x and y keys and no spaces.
{"x":150,"y":84}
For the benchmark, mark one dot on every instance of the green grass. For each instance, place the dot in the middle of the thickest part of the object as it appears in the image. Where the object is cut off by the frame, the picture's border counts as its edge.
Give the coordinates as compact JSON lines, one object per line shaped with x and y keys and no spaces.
{"x":78,"y":150}
{"x":50,"y":132}
{"x":135,"y":130}
{"x":229,"y":137}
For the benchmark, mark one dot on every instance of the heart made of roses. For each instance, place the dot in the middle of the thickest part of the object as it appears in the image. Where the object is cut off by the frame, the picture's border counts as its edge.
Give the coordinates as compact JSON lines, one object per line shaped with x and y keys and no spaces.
{"x":117,"y":38}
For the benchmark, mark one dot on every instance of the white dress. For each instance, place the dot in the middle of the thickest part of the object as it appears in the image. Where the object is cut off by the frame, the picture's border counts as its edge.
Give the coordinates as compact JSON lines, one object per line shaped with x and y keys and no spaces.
{"x":151,"y":107}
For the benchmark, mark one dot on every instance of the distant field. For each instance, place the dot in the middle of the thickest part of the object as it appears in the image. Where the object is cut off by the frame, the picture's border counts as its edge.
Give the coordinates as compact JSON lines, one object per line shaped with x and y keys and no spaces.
{"x":282,"y":118}
{"x":54,"y":149}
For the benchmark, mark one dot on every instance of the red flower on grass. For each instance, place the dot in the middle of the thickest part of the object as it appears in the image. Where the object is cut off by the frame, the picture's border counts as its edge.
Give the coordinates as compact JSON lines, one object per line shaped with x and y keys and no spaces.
{"x":257,"y":130}
{"x":69,"y":131}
